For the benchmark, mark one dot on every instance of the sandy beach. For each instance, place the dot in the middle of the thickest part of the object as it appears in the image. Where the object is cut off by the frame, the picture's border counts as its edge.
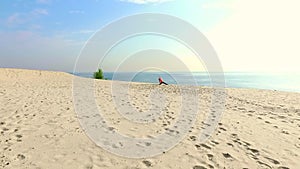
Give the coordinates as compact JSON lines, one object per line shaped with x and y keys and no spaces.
{"x":40,"y":129}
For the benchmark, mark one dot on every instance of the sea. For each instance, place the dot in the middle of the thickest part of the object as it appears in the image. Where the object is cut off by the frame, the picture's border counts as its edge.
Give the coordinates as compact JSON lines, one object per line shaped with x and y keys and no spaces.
{"x":289,"y":82}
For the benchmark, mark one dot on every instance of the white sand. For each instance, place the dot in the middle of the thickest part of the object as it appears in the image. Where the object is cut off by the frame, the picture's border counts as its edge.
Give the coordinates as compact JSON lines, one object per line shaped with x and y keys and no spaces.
{"x":39,"y":126}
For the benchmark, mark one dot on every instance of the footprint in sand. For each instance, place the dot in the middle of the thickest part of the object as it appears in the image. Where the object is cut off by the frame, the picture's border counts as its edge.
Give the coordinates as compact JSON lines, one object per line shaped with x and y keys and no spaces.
{"x":147,"y":163}
{"x":237,"y":141}
{"x":199,"y":167}
{"x":20,"y":156}
{"x":227,"y":155}
{"x":264,"y":164}
{"x":210,"y":156}
{"x":230,"y":144}
{"x":5,"y":129}
{"x":253,"y":150}
{"x":193,"y":138}
{"x":215,"y":142}
{"x":205,"y":146}
{"x":273,"y":160}
{"x":282,"y":167}
{"x":234,"y":135}
{"x":246,"y":143}
{"x":19,"y":136}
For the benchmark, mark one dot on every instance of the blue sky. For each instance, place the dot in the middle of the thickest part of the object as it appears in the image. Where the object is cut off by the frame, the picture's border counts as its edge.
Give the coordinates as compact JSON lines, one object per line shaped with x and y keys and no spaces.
{"x":56,"y":16}
{"x":37,"y":33}
{"x":49,"y":34}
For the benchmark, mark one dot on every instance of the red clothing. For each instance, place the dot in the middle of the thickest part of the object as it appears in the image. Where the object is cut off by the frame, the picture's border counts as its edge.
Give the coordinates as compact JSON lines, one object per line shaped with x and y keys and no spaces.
{"x":160,"y":80}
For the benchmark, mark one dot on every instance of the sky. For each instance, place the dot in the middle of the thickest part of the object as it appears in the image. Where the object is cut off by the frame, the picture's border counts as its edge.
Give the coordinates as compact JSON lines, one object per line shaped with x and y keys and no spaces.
{"x":248,"y":35}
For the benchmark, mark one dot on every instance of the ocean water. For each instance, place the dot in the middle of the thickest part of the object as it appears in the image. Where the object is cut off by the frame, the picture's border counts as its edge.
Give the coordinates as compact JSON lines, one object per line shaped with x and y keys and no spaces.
{"x":271,"y":81}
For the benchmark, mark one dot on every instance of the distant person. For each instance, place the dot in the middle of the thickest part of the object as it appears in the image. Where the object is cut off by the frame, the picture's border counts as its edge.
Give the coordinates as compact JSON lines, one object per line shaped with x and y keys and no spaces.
{"x":161,"y":81}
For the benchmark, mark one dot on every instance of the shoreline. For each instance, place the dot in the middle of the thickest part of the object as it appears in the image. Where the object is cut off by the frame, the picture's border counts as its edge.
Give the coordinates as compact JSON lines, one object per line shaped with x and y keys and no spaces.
{"x":229,"y":83}
{"x":205,"y":86}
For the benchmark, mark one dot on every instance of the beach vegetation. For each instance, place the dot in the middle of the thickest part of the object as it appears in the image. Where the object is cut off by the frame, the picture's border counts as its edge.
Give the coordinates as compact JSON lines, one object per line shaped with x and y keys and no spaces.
{"x":99,"y":74}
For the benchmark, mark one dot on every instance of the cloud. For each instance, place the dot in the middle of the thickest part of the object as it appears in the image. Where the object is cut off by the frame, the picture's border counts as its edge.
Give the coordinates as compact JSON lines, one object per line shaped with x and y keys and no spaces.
{"x":22,"y":18}
{"x":76,"y":12}
{"x":43,"y":1}
{"x":35,"y":27}
{"x":146,"y":1}
{"x":85,"y":31}
{"x":15,"y":18}
{"x":37,"y":12}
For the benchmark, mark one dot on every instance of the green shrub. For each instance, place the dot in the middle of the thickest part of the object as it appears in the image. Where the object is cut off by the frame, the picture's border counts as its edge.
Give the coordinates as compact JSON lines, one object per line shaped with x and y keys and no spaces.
{"x":99,"y":74}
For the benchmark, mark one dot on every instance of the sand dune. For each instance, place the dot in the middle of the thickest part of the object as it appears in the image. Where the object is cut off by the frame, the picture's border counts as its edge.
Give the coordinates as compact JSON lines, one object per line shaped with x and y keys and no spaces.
{"x":40,"y":129}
